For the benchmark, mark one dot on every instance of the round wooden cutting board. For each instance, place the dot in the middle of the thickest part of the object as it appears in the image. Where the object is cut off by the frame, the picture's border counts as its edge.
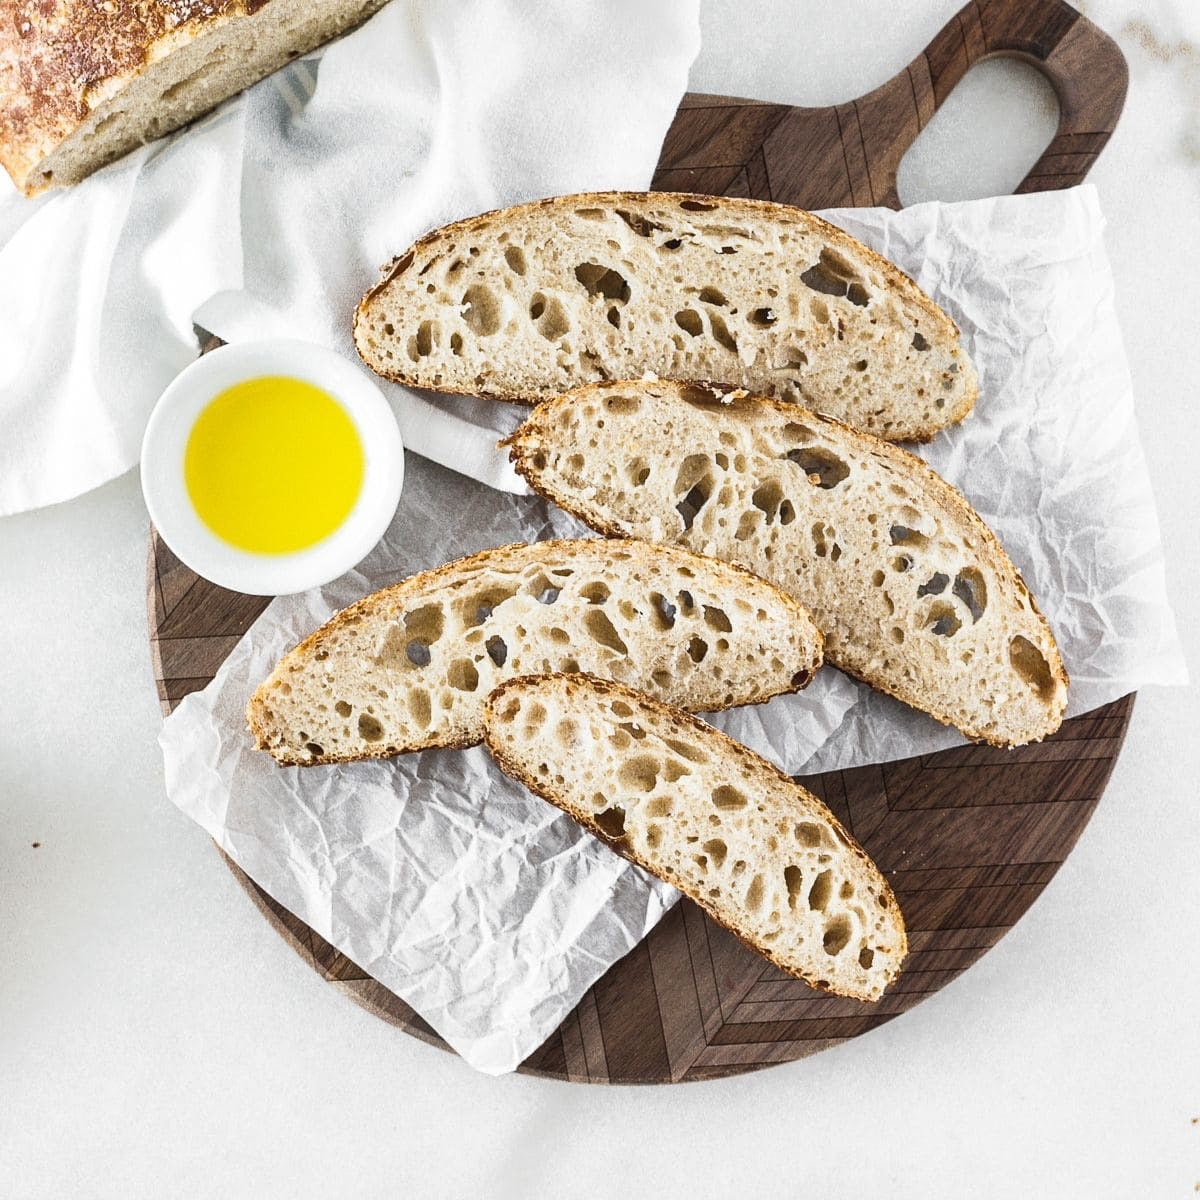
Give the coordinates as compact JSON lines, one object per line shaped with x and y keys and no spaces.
{"x":968,"y":837}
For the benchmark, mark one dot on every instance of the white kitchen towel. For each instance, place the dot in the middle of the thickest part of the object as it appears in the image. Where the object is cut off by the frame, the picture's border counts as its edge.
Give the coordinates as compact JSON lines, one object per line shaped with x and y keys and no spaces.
{"x":280,"y":207}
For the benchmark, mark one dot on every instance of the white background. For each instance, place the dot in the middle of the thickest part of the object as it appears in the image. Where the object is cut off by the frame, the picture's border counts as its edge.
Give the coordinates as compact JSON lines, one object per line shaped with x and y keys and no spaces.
{"x":158,"y":1038}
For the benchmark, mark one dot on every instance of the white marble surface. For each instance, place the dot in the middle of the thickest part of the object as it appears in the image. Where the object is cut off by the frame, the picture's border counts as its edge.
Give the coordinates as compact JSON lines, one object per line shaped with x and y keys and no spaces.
{"x":157,"y":1038}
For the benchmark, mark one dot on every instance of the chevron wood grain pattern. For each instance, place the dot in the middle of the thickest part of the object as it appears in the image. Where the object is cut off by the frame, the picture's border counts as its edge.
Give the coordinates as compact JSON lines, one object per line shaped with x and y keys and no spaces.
{"x":849,"y":155}
{"x":968,"y":837}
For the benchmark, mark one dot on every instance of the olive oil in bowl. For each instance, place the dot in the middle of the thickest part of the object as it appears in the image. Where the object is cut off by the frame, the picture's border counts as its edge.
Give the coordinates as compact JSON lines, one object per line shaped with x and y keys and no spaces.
{"x":273,"y":465}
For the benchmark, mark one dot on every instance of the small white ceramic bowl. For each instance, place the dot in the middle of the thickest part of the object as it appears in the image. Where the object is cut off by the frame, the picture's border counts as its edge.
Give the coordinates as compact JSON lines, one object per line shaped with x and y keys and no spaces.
{"x":194,"y":543}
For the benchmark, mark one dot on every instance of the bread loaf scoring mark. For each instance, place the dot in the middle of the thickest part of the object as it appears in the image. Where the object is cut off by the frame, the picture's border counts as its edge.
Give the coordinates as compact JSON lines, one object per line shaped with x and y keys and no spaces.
{"x":719,"y":829}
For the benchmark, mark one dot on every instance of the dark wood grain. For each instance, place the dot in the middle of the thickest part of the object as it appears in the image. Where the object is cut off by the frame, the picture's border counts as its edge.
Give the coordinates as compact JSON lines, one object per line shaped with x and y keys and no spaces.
{"x":849,"y":155}
{"x":968,"y":837}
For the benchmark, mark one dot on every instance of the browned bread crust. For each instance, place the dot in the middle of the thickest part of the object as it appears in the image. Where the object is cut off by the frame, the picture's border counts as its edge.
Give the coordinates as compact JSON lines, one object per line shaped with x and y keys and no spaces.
{"x":68,"y":67}
{"x":538,"y":451}
{"x":783,"y":795}
{"x":414,"y":325}
{"x":363,"y":646}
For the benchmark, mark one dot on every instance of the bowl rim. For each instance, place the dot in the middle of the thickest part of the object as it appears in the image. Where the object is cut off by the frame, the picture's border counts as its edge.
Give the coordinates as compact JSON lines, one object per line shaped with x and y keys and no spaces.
{"x":224,"y":564}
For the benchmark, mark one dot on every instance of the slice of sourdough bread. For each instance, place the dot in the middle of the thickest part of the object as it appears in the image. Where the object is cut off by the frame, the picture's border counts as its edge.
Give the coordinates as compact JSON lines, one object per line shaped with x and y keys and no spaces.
{"x":523,"y":303}
{"x":912,"y":591}
{"x":760,"y":854}
{"x":410,"y":667}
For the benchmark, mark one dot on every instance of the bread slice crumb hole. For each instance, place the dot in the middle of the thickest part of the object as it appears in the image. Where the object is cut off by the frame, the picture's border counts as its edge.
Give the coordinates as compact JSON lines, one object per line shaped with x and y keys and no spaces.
{"x":601,"y":281}
{"x":369,"y":728}
{"x":602,"y":631}
{"x":481,"y":310}
{"x":837,"y":934}
{"x":728,"y":797}
{"x":819,"y":893}
{"x":821,"y":467}
{"x":971,"y":590}
{"x":639,"y":773}
{"x":611,"y":822}
{"x":497,"y":650}
{"x":1031,"y":665}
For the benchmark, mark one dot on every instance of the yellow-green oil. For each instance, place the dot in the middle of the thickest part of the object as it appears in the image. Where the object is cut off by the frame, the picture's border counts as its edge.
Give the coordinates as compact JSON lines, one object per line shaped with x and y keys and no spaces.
{"x":273,"y":465}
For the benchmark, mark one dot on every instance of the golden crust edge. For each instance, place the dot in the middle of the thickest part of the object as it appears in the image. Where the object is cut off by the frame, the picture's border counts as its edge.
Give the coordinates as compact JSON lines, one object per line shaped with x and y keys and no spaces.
{"x":743,"y":753}
{"x":896,"y":277}
{"x":739,"y":396}
{"x":365,"y":606}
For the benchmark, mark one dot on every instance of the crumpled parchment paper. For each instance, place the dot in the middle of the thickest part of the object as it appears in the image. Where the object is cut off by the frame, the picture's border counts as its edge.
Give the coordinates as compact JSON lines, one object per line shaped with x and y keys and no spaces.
{"x":1050,"y":458}
{"x":483,"y":907}
{"x":491,"y":914}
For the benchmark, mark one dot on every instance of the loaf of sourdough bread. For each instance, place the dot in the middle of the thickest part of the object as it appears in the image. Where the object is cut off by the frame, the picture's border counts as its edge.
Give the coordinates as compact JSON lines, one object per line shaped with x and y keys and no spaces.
{"x":524,"y":303}
{"x":83,"y":82}
{"x":409,"y":667}
{"x":912,"y":591}
{"x":760,"y":854}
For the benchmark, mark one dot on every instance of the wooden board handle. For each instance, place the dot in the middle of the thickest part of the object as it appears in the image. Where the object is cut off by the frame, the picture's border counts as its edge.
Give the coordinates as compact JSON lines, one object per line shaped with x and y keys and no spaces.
{"x":849,"y":155}
{"x":1082,"y":63}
